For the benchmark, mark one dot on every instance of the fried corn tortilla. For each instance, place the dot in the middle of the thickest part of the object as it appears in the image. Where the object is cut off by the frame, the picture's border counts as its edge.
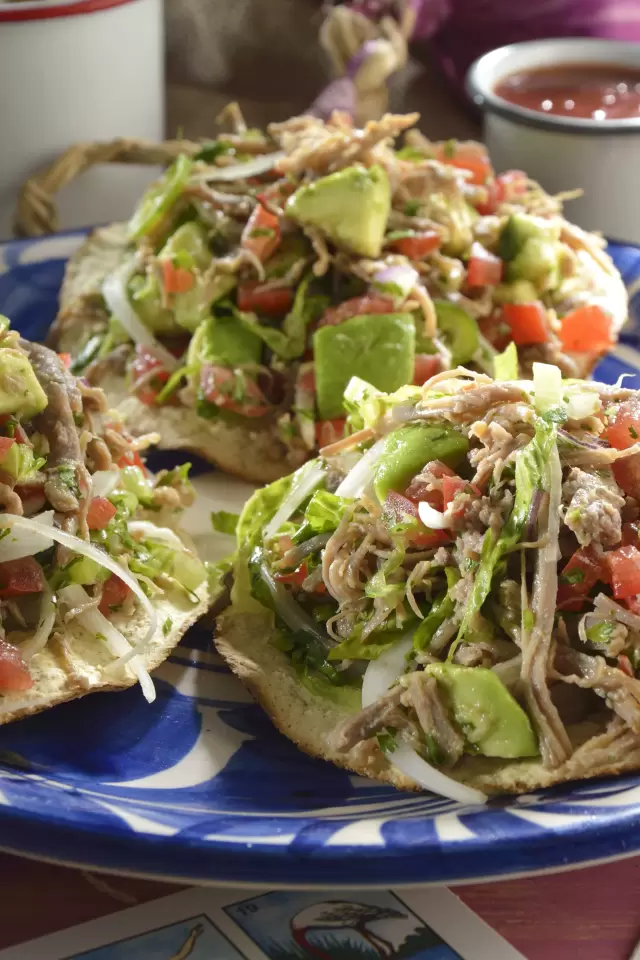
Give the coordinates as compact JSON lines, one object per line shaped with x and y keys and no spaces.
{"x":275,"y":266}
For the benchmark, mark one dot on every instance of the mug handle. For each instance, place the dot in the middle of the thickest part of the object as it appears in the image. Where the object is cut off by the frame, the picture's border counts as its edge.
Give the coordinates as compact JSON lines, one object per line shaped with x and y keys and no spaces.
{"x":36,"y":212}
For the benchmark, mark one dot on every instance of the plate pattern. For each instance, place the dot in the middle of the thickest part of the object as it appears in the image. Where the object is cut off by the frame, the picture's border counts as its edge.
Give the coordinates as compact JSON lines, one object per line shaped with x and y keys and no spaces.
{"x":200,"y":786}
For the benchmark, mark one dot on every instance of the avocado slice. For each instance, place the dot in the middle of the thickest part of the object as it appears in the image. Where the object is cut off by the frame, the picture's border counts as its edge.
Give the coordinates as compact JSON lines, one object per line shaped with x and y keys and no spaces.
{"x":460,"y":331}
{"x":220,"y":339}
{"x":519,"y":228}
{"x":493,"y":723}
{"x":188,"y":247}
{"x":350,"y":207}
{"x":539,"y":262}
{"x":20,"y":392}
{"x":408,"y":449}
{"x":378,"y":348}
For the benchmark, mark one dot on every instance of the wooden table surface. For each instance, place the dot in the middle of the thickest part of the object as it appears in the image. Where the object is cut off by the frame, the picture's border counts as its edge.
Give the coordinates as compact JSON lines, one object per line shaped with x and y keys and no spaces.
{"x":590,"y":914}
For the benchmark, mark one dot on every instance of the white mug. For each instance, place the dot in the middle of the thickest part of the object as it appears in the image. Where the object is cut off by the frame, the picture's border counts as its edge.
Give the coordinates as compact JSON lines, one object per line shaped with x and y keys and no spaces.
{"x":562,"y":153}
{"x":72,"y":71}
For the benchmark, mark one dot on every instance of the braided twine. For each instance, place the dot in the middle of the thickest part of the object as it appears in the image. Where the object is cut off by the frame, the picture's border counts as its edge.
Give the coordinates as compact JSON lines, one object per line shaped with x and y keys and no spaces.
{"x":343,"y":34}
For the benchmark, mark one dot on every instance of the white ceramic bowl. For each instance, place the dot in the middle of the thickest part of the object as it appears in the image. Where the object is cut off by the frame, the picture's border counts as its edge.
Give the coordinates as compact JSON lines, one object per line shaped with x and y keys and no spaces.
{"x":72,"y":71}
{"x":601,"y":157}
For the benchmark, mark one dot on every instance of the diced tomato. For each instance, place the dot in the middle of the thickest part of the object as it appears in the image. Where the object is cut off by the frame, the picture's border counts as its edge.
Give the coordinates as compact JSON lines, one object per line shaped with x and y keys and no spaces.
{"x":256,"y":298}
{"x":130,"y":459}
{"x":222,"y":387}
{"x":496,"y":330}
{"x":528,"y":322}
{"x":295,"y":577}
{"x":100,"y":512}
{"x":493,"y":198}
{"x":5,"y":445}
{"x":451,"y":485}
{"x":579,"y":576}
{"x":623,"y":430}
{"x":143,"y":364}
{"x":276,"y":193}
{"x":624,"y":564}
{"x":176,"y":279}
{"x":18,"y":577}
{"x":261,"y":236}
{"x":66,"y":359}
{"x":417,"y":489}
{"x":625,"y":665}
{"x":511,"y":184}
{"x":114,"y":592}
{"x":426,"y":366}
{"x":484,"y":269}
{"x":402,"y":510}
{"x":14,"y":673}
{"x":418,"y":246}
{"x":467,"y":156}
{"x":630,"y":535}
{"x":355,"y":307}
{"x":587,"y":330}
{"x":328,"y":431}
{"x":627,"y":474}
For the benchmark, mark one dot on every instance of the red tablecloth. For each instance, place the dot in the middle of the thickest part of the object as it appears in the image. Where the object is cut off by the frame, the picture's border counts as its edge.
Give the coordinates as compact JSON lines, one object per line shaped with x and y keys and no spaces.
{"x":589,"y":914}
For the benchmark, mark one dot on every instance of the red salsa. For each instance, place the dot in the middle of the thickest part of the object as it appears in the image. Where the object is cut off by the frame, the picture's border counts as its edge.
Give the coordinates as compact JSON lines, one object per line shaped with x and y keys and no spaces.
{"x":586,"y":90}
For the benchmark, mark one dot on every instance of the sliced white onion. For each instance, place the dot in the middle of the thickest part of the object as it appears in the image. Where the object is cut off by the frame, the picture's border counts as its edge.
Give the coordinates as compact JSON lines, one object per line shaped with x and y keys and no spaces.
{"x":40,"y":638}
{"x":86,"y":549}
{"x":114,"y":291}
{"x":309,"y":477}
{"x":380,"y":675}
{"x":16,"y":546}
{"x":383,"y":672}
{"x":396,"y":282}
{"x":104,"y":482}
{"x":240,"y":171}
{"x":410,"y":763}
{"x":289,"y":610}
{"x":96,"y":623}
{"x":161,"y":534}
{"x":547,"y":385}
{"x":432,"y":518}
{"x":361,"y":476}
{"x":582,"y":405}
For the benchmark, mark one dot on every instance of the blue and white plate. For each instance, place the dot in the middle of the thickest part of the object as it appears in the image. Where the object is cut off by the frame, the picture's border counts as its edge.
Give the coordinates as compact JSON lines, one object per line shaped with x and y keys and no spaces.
{"x":199,"y":786}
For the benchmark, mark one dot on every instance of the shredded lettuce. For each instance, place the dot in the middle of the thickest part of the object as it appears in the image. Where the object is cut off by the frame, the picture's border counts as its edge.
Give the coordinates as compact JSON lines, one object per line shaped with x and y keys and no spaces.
{"x":505,"y":364}
{"x":443,"y":608}
{"x":224,"y":522}
{"x":217,"y":574}
{"x":366,"y":405}
{"x":259,"y":509}
{"x":325,"y":511}
{"x":529,"y":473}
{"x":353,"y":648}
{"x":289,"y":342}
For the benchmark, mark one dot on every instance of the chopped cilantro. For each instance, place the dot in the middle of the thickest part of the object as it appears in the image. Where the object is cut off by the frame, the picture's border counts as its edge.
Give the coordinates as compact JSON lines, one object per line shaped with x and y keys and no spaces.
{"x":411,"y":208}
{"x":633,"y":433}
{"x":166,"y":626}
{"x":573,"y":577}
{"x":387,"y":740}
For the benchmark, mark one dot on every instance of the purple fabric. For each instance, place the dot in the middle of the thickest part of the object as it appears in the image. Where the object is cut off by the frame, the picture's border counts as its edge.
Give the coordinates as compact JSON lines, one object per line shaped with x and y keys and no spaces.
{"x":462,"y":30}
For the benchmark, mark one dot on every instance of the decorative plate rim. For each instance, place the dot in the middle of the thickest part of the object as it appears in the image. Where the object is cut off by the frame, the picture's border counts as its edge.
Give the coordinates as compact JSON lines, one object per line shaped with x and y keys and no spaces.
{"x":411,"y":848}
